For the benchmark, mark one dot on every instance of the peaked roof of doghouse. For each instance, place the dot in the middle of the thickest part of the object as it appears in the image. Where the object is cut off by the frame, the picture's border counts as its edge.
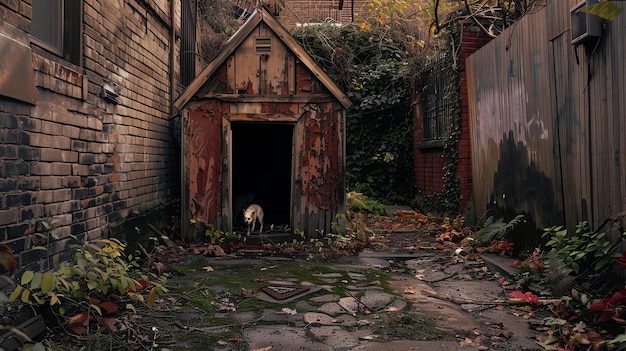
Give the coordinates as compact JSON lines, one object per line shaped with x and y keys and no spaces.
{"x":258,"y":16}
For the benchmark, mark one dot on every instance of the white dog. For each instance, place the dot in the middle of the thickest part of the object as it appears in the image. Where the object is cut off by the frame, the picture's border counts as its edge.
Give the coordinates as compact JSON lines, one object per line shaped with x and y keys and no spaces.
{"x":253,"y":213}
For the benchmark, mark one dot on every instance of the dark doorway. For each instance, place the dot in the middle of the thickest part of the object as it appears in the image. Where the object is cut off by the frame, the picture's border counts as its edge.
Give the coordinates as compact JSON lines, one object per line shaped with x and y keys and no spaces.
{"x":262,"y":163}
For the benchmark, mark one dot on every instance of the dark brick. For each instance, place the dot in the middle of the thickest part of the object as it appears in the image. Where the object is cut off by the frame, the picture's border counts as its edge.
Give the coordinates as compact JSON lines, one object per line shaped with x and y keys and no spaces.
{"x":80,"y":146}
{"x":97,"y":169}
{"x":27,"y":214}
{"x":29,"y":183}
{"x":71,"y":182}
{"x":28,"y":153}
{"x":85,"y":159}
{"x":7,"y":152}
{"x":16,"y":245}
{"x":23,"y":138}
{"x":90,"y":181}
{"x":119,"y":205}
{"x":28,"y":123}
{"x":7,"y":185}
{"x":80,"y":193}
{"x":88,"y":203}
{"x":14,"y":200}
{"x":77,"y":228}
{"x":66,"y":255}
{"x":8,"y":121}
{"x":11,"y":137}
{"x":100,"y":200}
{"x":108,"y":168}
{"x":14,"y":168}
{"x":75,"y":205}
{"x":29,"y":257}
{"x":17,"y":231}
{"x":78,"y":216}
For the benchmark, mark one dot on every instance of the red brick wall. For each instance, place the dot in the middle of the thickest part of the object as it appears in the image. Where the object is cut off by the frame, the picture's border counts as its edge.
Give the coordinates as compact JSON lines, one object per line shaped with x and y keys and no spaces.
{"x":304,"y":11}
{"x":429,"y":158}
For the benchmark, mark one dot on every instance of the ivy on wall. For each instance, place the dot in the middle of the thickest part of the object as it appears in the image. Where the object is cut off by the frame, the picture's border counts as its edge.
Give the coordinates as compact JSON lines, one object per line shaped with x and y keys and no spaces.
{"x":447,"y":202}
{"x":374,"y":71}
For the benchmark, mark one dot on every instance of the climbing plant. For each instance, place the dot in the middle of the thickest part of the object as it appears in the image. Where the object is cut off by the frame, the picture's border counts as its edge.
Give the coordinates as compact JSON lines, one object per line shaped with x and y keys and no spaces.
{"x":374,"y":71}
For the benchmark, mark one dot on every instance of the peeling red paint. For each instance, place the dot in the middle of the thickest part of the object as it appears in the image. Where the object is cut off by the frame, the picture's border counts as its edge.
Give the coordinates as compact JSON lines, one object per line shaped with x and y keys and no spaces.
{"x":205,"y":162}
{"x":320,"y":159}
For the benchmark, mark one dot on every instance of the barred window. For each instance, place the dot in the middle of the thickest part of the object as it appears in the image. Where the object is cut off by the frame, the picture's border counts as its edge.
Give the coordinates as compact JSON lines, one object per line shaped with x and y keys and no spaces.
{"x":437,"y":99}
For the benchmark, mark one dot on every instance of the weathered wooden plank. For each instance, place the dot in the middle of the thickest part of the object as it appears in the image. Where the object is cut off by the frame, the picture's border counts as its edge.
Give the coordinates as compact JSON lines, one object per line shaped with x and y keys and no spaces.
{"x":205,"y":162}
{"x":262,"y":117}
{"x":558,"y":110}
{"x":235,"y":98}
{"x":227,"y":215}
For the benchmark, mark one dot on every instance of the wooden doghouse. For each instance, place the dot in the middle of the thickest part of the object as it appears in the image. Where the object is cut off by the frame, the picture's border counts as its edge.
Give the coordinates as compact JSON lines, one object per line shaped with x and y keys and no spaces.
{"x":263,"y":123}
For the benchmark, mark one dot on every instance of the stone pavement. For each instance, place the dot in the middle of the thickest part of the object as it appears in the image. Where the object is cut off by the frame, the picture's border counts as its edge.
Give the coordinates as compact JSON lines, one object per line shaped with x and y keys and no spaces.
{"x":459,"y":305}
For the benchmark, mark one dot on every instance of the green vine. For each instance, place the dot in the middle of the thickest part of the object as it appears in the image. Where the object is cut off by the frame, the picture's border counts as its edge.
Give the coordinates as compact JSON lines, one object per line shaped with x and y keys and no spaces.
{"x":447,"y":202}
{"x":374,"y":70}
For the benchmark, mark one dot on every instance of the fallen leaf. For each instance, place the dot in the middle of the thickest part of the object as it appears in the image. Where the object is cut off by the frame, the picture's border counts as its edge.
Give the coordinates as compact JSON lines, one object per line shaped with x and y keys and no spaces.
{"x":109,"y":307}
{"x":506,"y":333}
{"x":160,"y":267}
{"x":208,"y":268}
{"x":152,"y":296}
{"x":289,"y":311}
{"x":236,"y":339}
{"x":247,"y":292}
{"x":78,"y":323}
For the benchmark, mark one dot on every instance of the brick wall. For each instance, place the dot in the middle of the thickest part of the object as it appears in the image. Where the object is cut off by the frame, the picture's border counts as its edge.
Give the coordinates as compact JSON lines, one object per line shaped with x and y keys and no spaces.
{"x":429,"y":158}
{"x":75,"y":159}
{"x":304,"y":11}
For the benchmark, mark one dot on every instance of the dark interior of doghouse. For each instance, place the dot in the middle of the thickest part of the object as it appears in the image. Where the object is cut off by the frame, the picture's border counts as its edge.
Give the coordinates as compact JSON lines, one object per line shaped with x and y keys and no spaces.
{"x":262,"y":157}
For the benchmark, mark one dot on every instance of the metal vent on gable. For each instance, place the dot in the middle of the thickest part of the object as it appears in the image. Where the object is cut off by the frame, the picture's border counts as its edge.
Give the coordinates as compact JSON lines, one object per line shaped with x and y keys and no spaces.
{"x":263,"y":45}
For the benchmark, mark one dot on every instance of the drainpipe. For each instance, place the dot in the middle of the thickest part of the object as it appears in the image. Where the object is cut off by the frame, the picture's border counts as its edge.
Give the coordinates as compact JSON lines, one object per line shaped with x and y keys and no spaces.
{"x":172,"y":55}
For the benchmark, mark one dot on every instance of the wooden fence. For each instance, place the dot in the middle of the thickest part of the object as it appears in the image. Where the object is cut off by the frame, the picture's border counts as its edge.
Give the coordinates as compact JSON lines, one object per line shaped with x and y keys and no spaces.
{"x":547,"y":120}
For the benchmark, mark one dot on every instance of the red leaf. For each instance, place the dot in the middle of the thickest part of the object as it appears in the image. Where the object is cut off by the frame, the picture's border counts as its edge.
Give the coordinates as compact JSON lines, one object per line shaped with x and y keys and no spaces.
{"x":599,"y":307}
{"x":528,"y":296}
{"x":236,"y":339}
{"x":517,"y":294}
{"x":622,"y":261}
{"x":109,"y":307}
{"x":7,"y":260}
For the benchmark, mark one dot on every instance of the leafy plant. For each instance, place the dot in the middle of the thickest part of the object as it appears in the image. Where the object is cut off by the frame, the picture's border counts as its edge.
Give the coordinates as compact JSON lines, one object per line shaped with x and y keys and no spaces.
{"x":374,"y":69}
{"x":358,"y":202}
{"x":584,"y":249}
{"x":496,"y":229}
{"x":99,"y":271}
